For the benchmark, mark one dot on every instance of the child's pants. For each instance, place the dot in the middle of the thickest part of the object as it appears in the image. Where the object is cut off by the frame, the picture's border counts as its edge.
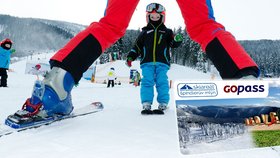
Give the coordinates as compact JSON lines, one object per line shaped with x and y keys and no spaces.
{"x":3,"y":77}
{"x":111,"y":82}
{"x":154,"y":74}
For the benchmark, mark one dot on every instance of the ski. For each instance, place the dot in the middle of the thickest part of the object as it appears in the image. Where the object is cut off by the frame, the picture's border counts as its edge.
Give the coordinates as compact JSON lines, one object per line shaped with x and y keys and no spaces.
{"x":146,"y":112}
{"x":152,"y":112}
{"x":158,"y":112}
{"x":12,"y":127}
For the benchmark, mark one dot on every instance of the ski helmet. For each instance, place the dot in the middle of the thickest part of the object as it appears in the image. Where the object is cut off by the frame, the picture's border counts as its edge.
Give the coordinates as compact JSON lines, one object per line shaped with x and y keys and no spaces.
{"x":7,"y":40}
{"x":4,"y":43}
{"x":155,"y":8}
{"x":37,"y":66}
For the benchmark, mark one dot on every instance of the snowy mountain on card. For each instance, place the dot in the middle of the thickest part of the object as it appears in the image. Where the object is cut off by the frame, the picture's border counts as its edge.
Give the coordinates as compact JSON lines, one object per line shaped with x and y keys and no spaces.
{"x":223,"y":114}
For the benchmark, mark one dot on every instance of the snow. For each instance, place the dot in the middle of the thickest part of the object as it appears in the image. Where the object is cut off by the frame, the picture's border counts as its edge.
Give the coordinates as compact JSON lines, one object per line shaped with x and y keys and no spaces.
{"x":117,"y":131}
{"x":234,"y":143}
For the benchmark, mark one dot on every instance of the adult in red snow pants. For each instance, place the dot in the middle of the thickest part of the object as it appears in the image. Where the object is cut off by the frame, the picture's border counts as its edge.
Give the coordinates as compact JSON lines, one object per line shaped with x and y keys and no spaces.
{"x":226,"y":53}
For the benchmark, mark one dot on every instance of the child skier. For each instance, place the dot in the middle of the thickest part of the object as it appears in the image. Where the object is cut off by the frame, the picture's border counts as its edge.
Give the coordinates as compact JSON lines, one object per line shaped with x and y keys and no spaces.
{"x":153,"y":46}
{"x":111,"y":77}
{"x":5,"y":57}
{"x":136,"y":78}
{"x":37,"y":70}
{"x":70,"y":62}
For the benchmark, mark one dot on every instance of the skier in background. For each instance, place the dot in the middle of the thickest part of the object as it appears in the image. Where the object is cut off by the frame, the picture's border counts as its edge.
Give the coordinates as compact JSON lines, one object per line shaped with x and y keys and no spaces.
{"x":137,"y":79}
{"x":70,"y":62}
{"x":153,"y":46}
{"x":5,"y":58}
{"x":37,"y":70}
{"x":111,"y":77}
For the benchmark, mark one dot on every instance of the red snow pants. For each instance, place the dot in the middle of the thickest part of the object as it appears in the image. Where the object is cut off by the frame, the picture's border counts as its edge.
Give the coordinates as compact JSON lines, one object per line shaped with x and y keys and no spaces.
{"x":228,"y":56}
{"x":82,"y":50}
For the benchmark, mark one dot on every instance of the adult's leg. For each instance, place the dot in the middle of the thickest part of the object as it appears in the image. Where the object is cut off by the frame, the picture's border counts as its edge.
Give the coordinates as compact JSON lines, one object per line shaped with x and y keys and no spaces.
{"x":226,"y":53}
{"x":87,"y":46}
{"x":69,"y":63}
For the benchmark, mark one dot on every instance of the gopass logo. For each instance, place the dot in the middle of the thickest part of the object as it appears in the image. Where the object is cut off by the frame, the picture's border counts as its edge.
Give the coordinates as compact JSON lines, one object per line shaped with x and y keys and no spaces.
{"x":197,"y":90}
{"x":244,"y":89}
{"x":238,"y":89}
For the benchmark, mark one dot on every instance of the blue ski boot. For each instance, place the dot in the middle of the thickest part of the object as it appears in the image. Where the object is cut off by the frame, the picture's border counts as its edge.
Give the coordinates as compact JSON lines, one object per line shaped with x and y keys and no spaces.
{"x":50,"y":98}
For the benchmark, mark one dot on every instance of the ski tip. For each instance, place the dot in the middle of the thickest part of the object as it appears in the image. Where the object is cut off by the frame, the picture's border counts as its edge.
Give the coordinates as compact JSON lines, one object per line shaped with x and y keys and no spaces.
{"x":12,"y":124}
{"x":146,"y":112}
{"x":98,"y":105}
{"x":158,"y":112}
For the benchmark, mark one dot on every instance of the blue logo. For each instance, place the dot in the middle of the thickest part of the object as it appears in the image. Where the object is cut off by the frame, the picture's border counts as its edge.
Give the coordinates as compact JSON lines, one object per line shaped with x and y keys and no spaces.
{"x":185,"y":87}
{"x":197,"y":90}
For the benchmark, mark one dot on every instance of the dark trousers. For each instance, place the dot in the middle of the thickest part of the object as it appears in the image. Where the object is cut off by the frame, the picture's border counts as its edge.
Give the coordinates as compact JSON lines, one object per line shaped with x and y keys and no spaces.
{"x":111,"y":82}
{"x":4,"y":76}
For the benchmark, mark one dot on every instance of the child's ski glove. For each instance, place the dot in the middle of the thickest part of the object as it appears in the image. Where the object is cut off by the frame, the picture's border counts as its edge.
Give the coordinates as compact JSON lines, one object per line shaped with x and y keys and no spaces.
{"x":13,"y":50}
{"x":128,"y":62}
{"x":178,"y":38}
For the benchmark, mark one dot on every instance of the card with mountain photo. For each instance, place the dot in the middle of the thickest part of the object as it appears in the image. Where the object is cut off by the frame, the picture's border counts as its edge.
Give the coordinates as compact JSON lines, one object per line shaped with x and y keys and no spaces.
{"x":219,"y":116}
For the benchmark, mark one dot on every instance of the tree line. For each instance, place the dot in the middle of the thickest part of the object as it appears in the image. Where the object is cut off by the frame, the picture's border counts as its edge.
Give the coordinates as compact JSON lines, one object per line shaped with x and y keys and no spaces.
{"x":266,"y":53}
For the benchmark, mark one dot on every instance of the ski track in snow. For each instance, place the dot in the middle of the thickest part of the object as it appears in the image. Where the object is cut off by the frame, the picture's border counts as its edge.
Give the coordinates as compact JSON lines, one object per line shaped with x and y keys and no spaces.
{"x":117,"y":131}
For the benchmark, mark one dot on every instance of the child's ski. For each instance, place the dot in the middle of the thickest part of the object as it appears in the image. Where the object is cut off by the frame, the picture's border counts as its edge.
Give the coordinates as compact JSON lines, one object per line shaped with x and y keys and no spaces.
{"x":11,"y":125}
{"x":152,"y":112}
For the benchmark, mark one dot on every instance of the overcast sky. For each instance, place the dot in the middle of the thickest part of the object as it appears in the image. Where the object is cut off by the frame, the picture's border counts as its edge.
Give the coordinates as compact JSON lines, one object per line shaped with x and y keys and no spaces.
{"x":246,"y":19}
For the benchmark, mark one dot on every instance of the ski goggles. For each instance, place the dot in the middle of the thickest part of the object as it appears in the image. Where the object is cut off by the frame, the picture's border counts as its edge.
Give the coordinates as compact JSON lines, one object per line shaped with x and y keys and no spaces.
{"x":155,"y":7}
{"x":8,"y":45}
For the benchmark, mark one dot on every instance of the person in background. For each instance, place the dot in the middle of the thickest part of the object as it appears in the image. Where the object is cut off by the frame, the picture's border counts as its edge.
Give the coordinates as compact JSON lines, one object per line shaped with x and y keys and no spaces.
{"x":153,"y":46}
{"x":111,"y":77}
{"x":137,"y":79}
{"x":5,"y":58}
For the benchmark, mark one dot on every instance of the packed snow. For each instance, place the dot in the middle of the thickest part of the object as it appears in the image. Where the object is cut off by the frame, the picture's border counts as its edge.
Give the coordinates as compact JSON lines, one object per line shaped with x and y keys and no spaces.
{"x":117,"y":131}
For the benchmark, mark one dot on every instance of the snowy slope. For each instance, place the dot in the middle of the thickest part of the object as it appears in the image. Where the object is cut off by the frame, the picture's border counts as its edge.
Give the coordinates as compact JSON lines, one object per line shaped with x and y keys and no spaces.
{"x":118,"y":131}
{"x":122,"y":71}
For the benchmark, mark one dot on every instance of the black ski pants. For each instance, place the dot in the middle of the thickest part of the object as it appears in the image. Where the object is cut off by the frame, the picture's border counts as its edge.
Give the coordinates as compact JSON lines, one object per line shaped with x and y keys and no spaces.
{"x":4,"y":76}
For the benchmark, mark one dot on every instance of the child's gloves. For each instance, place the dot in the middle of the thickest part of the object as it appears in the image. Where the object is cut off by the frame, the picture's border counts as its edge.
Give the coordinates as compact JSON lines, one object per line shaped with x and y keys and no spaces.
{"x":178,"y":38}
{"x":13,"y":50}
{"x":128,"y":62}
